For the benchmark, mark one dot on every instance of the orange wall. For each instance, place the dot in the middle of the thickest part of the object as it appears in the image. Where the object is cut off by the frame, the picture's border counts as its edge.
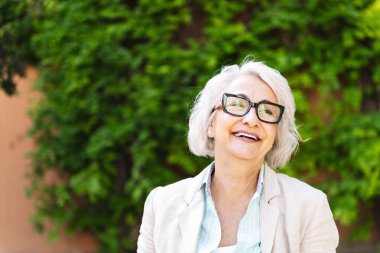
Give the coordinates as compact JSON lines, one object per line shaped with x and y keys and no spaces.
{"x":16,"y":233}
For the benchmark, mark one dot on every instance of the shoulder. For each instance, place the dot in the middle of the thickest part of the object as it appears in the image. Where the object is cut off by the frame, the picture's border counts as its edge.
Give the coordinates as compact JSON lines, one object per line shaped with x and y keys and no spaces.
{"x":297,"y":188}
{"x":285,"y":191}
{"x":301,"y":200}
{"x":182,"y":190}
{"x":174,"y":190}
{"x":309,"y":212}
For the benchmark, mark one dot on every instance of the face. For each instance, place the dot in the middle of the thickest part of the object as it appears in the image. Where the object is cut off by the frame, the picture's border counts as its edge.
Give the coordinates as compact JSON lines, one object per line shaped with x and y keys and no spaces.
{"x":235,"y":136}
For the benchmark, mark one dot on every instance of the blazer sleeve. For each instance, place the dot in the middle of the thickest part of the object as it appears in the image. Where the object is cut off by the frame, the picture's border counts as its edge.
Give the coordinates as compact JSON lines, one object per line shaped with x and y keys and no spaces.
{"x":321,"y":235}
{"x":145,"y":242}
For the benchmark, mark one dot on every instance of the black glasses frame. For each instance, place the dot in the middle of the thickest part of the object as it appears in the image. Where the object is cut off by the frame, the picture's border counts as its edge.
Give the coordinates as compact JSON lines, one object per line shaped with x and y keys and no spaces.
{"x":252,"y":104}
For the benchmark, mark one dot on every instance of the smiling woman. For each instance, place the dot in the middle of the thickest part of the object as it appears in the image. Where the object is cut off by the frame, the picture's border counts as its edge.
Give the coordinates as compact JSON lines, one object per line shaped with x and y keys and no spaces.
{"x":229,"y":134}
{"x":244,"y":119}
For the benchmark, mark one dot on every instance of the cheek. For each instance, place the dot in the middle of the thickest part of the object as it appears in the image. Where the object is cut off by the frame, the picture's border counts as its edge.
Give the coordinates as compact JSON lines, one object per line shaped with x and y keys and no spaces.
{"x":220,"y":123}
{"x":272,"y":132}
{"x":222,"y":129}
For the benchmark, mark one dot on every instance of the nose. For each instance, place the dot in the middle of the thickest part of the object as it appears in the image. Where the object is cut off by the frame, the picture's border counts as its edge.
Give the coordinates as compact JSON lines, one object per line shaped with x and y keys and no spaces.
{"x":251,"y":118}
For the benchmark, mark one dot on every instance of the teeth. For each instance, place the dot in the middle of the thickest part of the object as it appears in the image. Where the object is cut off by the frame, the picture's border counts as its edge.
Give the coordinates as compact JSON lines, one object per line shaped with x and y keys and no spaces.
{"x":246,"y":135}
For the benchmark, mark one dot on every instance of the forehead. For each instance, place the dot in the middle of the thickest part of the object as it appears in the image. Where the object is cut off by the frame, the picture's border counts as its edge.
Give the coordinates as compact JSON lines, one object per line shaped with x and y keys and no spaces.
{"x":252,"y":87}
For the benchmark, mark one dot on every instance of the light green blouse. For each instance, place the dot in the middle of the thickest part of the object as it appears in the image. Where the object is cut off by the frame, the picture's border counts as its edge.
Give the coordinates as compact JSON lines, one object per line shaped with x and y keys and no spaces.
{"x":249,"y":227}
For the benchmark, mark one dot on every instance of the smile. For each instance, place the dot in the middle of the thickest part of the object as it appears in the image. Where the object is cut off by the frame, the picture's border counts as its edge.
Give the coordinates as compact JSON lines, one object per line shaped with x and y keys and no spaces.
{"x":250,"y":136}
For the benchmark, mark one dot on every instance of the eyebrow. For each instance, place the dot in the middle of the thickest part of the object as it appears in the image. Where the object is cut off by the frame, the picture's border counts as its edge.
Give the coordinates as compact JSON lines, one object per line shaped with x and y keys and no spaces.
{"x":243,"y":95}
{"x":264,"y":100}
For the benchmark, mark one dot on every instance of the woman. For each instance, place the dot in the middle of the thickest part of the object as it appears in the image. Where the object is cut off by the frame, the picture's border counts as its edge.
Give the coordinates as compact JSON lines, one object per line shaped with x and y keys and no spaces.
{"x":244,"y":118}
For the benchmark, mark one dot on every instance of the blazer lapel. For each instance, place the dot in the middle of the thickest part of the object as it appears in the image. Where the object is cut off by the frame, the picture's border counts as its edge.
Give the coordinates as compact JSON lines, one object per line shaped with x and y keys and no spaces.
{"x":190,"y":219}
{"x":268,"y":213}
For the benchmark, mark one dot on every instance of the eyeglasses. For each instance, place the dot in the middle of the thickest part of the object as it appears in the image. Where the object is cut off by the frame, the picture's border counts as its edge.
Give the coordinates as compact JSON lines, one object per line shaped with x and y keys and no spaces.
{"x":239,"y":106}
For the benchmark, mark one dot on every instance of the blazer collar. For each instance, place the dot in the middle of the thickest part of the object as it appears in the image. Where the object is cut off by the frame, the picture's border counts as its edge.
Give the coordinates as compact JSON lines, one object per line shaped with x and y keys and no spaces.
{"x":272,"y":188}
{"x":195,"y":186}
{"x":190,"y":219}
{"x":269,"y":213}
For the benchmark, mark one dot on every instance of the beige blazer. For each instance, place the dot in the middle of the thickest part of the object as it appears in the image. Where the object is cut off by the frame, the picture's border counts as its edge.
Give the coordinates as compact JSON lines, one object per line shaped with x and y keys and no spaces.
{"x":294,"y":217}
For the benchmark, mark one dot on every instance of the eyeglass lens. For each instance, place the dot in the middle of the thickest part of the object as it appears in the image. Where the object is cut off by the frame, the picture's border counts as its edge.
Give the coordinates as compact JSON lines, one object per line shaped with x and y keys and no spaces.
{"x":240,"y":106}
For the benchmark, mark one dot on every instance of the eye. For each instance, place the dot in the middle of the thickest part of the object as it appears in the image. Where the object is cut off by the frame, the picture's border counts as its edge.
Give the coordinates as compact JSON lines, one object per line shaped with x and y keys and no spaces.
{"x":268,"y":111}
{"x":236,"y":103}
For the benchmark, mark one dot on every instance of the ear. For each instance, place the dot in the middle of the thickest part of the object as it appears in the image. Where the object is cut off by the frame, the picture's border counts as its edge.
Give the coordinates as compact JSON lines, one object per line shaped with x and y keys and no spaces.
{"x":210,"y":129}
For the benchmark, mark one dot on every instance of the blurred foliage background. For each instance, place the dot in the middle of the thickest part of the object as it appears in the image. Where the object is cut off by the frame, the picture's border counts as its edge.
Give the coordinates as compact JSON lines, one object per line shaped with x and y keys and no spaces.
{"x":118,"y":79}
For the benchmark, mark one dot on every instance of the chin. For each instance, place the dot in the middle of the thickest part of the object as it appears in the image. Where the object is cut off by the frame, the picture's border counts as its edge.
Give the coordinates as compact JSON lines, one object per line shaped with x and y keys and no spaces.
{"x":249,"y":158}
{"x":246,"y":155}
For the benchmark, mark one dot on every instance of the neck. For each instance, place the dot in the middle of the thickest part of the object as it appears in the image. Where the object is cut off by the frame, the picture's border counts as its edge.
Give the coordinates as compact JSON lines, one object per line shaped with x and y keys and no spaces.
{"x":234,"y":181}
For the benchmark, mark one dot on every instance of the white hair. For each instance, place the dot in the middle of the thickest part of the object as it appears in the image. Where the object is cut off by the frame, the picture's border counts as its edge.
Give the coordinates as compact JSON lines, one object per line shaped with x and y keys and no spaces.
{"x":287,"y":136}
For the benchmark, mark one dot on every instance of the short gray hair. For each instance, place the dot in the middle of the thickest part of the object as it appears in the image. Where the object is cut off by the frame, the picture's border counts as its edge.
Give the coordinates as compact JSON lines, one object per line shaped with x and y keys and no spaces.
{"x":287,"y":137}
